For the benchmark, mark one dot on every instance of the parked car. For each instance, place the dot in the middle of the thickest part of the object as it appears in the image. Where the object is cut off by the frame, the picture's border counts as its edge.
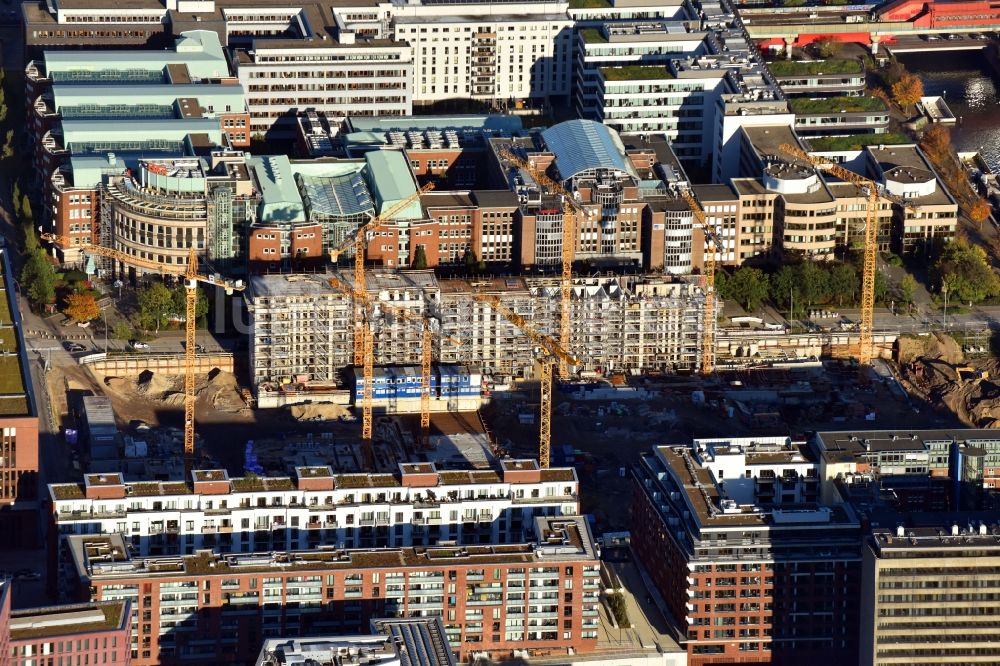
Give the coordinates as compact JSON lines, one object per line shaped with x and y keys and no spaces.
{"x":137,"y":344}
{"x":74,"y":347}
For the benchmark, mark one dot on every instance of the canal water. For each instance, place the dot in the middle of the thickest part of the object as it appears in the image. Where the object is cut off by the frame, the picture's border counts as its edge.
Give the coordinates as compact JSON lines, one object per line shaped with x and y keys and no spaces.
{"x":972,"y":90}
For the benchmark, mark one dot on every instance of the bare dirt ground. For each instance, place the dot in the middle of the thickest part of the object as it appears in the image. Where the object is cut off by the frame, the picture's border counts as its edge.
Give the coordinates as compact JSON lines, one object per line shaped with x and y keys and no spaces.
{"x":935,"y":369}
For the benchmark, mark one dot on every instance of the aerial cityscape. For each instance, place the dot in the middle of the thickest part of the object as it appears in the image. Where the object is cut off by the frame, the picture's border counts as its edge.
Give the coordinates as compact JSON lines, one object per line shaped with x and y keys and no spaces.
{"x":507,"y":332}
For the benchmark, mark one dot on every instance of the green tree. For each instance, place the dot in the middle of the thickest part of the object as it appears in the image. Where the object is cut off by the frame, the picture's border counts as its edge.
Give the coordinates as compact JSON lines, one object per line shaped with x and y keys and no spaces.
{"x":616,"y":602}
{"x":180,"y":302}
{"x":420,"y":258}
{"x":30,"y":237}
{"x":907,"y":287}
{"x":26,"y":208}
{"x":828,"y":48}
{"x":8,"y":144}
{"x":966,"y":271}
{"x":748,"y":286}
{"x":156,"y":303}
{"x":121,"y":331}
{"x":15,"y":199}
{"x":785,"y":286}
{"x":815,"y":281}
{"x":843,"y":283}
{"x":40,"y":278}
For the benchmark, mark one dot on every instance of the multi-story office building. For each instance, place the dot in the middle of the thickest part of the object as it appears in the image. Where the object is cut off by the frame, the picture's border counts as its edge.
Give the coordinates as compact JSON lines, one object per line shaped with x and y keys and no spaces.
{"x":679,"y":99}
{"x":339,"y":74}
{"x":930,"y":218}
{"x":482,"y":52}
{"x":928,"y":595}
{"x":18,"y":422}
{"x":817,"y":78}
{"x":392,"y":642}
{"x":536,"y":596}
{"x":746,"y":558}
{"x":841,"y":115}
{"x":301,"y":327}
{"x":317,"y":507}
{"x":625,"y":44}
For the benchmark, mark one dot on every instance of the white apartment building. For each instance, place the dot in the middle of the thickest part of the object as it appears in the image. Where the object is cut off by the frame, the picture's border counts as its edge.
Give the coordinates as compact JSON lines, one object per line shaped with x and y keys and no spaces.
{"x":338,"y":77}
{"x":418,"y":506}
{"x":497,"y":53}
{"x":679,"y":99}
{"x":622,"y":43}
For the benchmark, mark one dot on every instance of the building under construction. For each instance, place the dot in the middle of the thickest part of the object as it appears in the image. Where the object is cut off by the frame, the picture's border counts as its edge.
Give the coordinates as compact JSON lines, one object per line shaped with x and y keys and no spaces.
{"x":301,"y":332}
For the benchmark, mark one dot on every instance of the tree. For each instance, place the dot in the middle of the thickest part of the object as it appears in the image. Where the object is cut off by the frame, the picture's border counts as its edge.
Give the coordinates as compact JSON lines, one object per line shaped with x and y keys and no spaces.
{"x":180,"y":302}
{"x":828,"y":48}
{"x":843,"y":282}
{"x":936,"y":141}
{"x":155,"y":303}
{"x":15,"y":199}
{"x":40,"y":278}
{"x":420,"y":258}
{"x":907,"y":91}
{"x":980,"y":211}
{"x":748,"y":286}
{"x":26,"y":208}
{"x":82,"y":307}
{"x":815,"y":282}
{"x":907,"y":287}
{"x":30,"y":237}
{"x":966,"y":271}
{"x":8,"y":145}
{"x":121,"y":331}
{"x":785,"y":286}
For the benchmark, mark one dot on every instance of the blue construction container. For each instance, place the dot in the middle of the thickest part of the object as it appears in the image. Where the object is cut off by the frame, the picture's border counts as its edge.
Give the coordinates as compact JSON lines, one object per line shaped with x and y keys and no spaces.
{"x":403,"y":382}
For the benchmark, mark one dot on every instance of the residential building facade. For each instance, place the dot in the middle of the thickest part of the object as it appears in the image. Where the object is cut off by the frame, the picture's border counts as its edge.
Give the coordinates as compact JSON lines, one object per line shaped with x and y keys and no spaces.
{"x":419,"y":506}
{"x":536,"y":596}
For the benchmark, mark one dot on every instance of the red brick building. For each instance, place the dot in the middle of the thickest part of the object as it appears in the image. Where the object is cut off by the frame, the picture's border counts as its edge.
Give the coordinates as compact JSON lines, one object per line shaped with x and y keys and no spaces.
{"x":18,"y":425}
{"x":764,"y":580}
{"x":539,"y":597}
{"x":90,"y":633}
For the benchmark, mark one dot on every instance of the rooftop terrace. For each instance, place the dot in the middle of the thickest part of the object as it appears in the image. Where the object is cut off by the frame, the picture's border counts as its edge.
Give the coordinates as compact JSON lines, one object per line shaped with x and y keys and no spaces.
{"x":636,"y":73}
{"x":806,"y":106}
{"x":814,"y":67}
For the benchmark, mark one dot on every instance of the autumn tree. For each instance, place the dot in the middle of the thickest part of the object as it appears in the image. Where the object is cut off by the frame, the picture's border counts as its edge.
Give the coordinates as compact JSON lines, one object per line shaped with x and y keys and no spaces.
{"x":936,"y":141}
{"x":81,"y":307}
{"x":828,"y":48}
{"x":980,"y":211}
{"x":907,"y":91}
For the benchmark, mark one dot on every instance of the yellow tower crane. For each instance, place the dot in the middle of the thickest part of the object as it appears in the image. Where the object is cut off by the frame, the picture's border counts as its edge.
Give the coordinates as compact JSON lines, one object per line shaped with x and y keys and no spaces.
{"x":358,"y":242}
{"x":553,"y":352}
{"x":191,"y":279}
{"x":870,"y":189}
{"x":426,"y":353}
{"x":570,"y":209}
{"x":714,"y":242}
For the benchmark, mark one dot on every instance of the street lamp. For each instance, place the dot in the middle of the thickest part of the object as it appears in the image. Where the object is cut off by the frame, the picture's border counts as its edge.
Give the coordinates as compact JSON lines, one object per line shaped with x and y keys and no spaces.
{"x":944,"y":290}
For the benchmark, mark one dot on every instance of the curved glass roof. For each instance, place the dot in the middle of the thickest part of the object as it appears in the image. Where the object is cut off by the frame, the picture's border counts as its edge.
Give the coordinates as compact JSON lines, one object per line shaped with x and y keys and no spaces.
{"x":584,"y":145}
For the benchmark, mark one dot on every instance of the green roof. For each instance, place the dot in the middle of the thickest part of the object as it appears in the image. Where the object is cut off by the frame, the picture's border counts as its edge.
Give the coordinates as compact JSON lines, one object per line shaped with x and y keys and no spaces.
{"x":815,"y":67}
{"x":589,"y":4}
{"x":802,"y":105}
{"x":636,"y":73}
{"x":280,"y":199}
{"x":392,"y":181}
{"x":856,"y":141}
{"x":593,"y":36}
{"x":200,"y":50}
{"x":13,"y":390}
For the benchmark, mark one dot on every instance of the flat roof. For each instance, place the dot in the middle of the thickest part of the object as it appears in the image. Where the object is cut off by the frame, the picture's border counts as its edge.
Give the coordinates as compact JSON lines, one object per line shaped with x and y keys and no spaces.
{"x":767,"y":139}
{"x":61,"y":621}
{"x":557,"y":539}
{"x":496,"y":122}
{"x":849,"y":445}
{"x":16,"y":398}
{"x":200,"y":50}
